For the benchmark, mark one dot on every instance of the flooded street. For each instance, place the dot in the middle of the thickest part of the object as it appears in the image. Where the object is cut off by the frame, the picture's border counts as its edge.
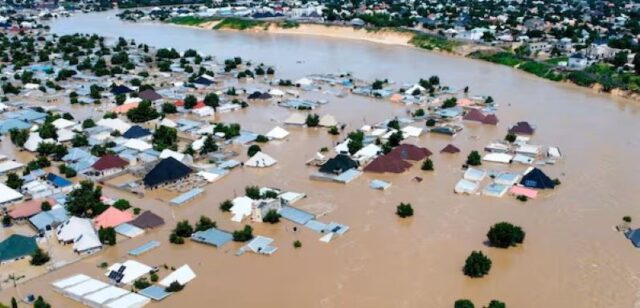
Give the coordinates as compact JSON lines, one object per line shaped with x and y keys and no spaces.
{"x":571,"y":256}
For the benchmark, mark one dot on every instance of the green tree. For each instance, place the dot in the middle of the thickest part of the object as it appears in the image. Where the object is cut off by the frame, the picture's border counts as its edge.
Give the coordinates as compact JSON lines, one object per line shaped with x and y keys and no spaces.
{"x":14,"y":181}
{"x":297,"y":244}
{"x":496,"y":304}
{"x":88,"y":123}
{"x":226,"y":205}
{"x":505,"y":235}
{"x":143,"y":113}
{"x":427,"y":165}
{"x":212,"y":100}
{"x":107,"y":236}
{"x":510,"y":138}
{"x":474,"y":159}
{"x":243,"y":235}
{"x":48,"y":130}
{"x":141,"y":283}
{"x":39,"y":257}
{"x":404,"y":210}
{"x":40,"y":303}
{"x":45,"y":206}
{"x":253,"y":192}
{"x":477,"y":265}
{"x":271,"y":217}
{"x":312,"y":120}
{"x":253,"y":149}
{"x":183,"y":229}
{"x":169,"y":108}
{"x":205,"y":223}
{"x":636,"y":63}
{"x":14,"y":302}
{"x":19,"y":136}
{"x":84,"y":201}
{"x":174,"y":287}
{"x":190,"y":101}
{"x":122,"y":204}
{"x":165,"y":138}
{"x":463,"y":303}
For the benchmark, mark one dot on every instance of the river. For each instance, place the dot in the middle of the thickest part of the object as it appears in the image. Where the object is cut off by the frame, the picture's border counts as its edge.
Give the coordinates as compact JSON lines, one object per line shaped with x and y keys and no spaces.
{"x":571,"y":256}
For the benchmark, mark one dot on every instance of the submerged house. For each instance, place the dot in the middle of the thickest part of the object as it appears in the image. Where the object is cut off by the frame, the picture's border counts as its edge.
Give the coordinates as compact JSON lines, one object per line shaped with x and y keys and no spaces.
{"x":535,"y":178}
{"x":16,"y":247}
{"x":339,"y":164}
{"x":167,"y":170}
{"x":80,"y":233}
{"x":522,"y":128}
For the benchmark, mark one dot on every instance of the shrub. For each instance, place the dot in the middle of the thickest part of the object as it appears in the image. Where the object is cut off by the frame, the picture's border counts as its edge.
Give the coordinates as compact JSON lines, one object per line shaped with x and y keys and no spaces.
{"x":39,"y":257}
{"x":334,"y":131}
{"x":136,"y":210}
{"x":627,"y":219}
{"x":477,"y":265}
{"x":107,"y":236}
{"x":463,"y":303}
{"x":174,"y":287}
{"x":404,"y":210}
{"x":510,"y":137}
{"x":45,"y":206}
{"x":226,"y":205}
{"x":262,"y":139}
{"x":153,"y":277}
{"x":474,"y":159}
{"x":297,"y":244}
{"x":243,"y":235}
{"x":522,"y":198}
{"x":253,"y":149}
{"x":505,"y":235}
{"x":40,"y":303}
{"x":175,"y":239}
{"x":183,"y":229}
{"x":312,"y":120}
{"x":271,"y":217}
{"x":496,"y":304}
{"x":427,"y":165}
{"x":141,"y":283}
{"x":252,"y":192}
{"x":205,"y":223}
{"x":122,"y":204}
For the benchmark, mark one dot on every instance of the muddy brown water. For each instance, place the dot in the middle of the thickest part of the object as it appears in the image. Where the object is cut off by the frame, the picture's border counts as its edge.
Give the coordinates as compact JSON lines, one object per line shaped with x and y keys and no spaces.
{"x":571,"y":256}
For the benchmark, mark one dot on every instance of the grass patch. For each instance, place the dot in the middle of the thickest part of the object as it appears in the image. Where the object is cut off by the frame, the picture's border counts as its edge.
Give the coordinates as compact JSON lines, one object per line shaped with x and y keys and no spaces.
{"x":190,"y":20}
{"x":238,"y":24}
{"x":431,"y":42}
{"x":288,"y":24}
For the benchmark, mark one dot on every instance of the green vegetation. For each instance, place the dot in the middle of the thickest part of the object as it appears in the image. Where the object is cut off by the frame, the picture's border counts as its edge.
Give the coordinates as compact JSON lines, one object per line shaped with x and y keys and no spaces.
{"x":243,"y":235}
{"x":107,"y":236}
{"x":463,"y":303}
{"x":477,"y":265}
{"x":253,"y":149}
{"x":431,"y":42}
{"x":474,"y":159}
{"x":505,"y":235}
{"x":427,"y":165}
{"x":288,"y":24}
{"x":297,"y":244}
{"x":190,"y":20}
{"x":183,"y":229}
{"x":39,"y":257}
{"x":205,"y":223}
{"x":122,"y":204}
{"x":271,"y":217}
{"x":404,"y":210}
{"x":238,"y":24}
{"x":226,"y":205}
{"x":84,"y":201}
{"x":174,"y":287}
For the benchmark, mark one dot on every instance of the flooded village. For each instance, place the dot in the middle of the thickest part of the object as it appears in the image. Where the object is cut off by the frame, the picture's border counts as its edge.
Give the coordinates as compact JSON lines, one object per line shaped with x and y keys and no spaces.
{"x":168,"y":174}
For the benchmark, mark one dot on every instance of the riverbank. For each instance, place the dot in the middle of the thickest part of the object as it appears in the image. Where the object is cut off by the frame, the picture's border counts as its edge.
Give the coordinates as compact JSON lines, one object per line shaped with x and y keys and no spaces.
{"x":598,"y":79}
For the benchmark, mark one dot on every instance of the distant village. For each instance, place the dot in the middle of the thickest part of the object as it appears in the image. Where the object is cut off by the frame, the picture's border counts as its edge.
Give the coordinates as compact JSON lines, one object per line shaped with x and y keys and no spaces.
{"x":85,"y":116}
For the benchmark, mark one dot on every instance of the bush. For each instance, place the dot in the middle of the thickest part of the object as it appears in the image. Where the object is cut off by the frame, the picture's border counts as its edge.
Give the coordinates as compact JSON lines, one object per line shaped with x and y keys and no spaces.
{"x":153,"y":277}
{"x":226,"y":205}
{"x":271,"y":217}
{"x":463,"y":303}
{"x":141,"y":283}
{"x":252,"y":192}
{"x":297,"y":244}
{"x":39,"y":257}
{"x":312,"y":120}
{"x":496,"y":304}
{"x":175,"y":239}
{"x":474,"y":159}
{"x":122,"y":204}
{"x":205,"y":223}
{"x":510,"y":137}
{"x":183,"y":229}
{"x":253,"y":149}
{"x":174,"y":287}
{"x":427,"y":165}
{"x":477,"y":265}
{"x":243,"y":235}
{"x":262,"y":139}
{"x":40,"y":303}
{"x":136,"y":210}
{"x":505,"y":235}
{"x":404,"y":210}
{"x":522,"y":198}
{"x":45,"y":206}
{"x":627,"y":219}
{"x":107,"y":236}
{"x":334,"y":131}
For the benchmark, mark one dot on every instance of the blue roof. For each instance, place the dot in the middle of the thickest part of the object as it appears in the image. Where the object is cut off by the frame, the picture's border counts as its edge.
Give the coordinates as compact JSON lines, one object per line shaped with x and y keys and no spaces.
{"x":49,"y":218}
{"x":295,"y":215}
{"x":9,"y":124}
{"x":316,"y":225}
{"x":634,"y":237}
{"x":144,"y":248}
{"x":136,"y":132}
{"x":27,"y":115}
{"x":75,"y":154}
{"x":57,"y":180}
{"x":154,"y":292}
{"x":83,"y":164}
{"x":213,"y":236}
{"x":186,"y":196}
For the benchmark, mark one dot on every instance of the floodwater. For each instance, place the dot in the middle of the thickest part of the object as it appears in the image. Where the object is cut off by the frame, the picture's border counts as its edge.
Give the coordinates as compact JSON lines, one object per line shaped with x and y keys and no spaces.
{"x":571,"y":256}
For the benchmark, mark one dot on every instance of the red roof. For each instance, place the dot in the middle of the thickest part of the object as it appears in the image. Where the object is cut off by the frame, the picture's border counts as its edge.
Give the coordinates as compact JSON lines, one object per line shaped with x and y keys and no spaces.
{"x":108,"y":162}
{"x":474,"y":115}
{"x":29,"y":208}
{"x":112,"y":217}
{"x":490,"y":119}
{"x":180,"y":103}
{"x":450,"y":148}
{"x":388,"y":163}
{"x":410,"y":152}
{"x":522,"y":128}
